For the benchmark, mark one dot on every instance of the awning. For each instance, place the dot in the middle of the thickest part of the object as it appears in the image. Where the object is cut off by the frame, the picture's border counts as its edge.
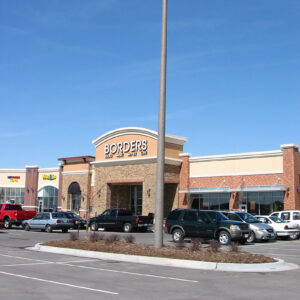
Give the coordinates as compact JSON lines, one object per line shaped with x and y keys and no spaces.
{"x":260,"y":188}
{"x":223,"y":189}
{"x":226,"y":189}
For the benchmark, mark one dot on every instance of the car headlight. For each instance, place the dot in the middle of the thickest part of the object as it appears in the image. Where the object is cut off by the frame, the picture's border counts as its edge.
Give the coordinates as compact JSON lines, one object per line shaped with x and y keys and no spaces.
{"x":234,"y":227}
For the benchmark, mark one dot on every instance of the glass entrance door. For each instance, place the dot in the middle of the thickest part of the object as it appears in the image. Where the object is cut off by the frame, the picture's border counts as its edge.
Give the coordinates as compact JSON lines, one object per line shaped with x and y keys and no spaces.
{"x":136,"y":199}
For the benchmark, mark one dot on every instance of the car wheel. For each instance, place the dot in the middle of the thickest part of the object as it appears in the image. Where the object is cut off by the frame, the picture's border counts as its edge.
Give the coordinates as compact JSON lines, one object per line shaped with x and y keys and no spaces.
{"x":48,"y":229}
{"x":7,"y":223}
{"x":64,"y":230}
{"x":94,"y":226}
{"x":251,"y":237}
{"x":224,"y":237}
{"x":294,"y":236}
{"x":127,"y":227}
{"x":177,"y":235}
{"x":27,"y":227}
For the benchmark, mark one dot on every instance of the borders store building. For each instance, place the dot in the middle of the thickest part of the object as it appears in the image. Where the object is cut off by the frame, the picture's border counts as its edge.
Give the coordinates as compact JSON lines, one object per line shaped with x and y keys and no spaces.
{"x":122,"y":174}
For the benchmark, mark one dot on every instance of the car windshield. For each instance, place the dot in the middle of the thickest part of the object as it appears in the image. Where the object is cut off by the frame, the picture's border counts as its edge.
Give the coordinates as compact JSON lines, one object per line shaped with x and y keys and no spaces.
{"x":221,"y":217}
{"x":277,"y":220}
{"x":71,"y":215}
{"x":248,"y":218}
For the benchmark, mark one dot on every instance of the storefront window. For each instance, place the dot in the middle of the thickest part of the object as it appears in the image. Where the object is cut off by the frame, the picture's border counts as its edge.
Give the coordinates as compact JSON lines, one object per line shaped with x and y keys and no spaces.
{"x":213,"y":201}
{"x":263,"y":203}
{"x":9,"y":194}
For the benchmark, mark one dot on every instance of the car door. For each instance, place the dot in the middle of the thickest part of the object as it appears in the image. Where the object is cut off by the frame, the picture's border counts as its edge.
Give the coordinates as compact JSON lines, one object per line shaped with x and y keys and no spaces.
{"x":45,"y":220}
{"x":34,"y":223}
{"x":189,"y":222}
{"x":103,"y":219}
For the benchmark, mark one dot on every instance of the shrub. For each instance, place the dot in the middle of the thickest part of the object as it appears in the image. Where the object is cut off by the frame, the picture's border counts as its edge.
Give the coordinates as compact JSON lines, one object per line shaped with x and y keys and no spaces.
{"x":101,"y":236}
{"x":74,"y":236}
{"x":112,"y":238}
{"x":214,"y":245}
{"x":180,"y":244}
{"x":196,"y":244}
{"x":94,"y":237}
{"x":234,"y":247}
{"x":129,"y":238}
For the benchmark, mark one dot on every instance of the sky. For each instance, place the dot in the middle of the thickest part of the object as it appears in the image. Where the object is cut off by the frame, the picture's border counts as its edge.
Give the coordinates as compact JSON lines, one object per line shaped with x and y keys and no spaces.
{"x":71,"y":71}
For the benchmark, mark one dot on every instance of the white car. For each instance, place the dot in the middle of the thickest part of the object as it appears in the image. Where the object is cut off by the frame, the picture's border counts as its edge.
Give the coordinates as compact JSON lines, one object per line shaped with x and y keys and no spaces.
{"x":281,"y":228}
{"x":291,"y":216}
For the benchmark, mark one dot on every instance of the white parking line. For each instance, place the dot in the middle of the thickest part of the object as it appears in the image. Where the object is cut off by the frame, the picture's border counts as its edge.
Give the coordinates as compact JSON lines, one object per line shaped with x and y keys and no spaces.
{"x":32,"y":264}
{"x":59,"y":283}
{"x":93,"y":268}
{"x":131,"y":273}
{"x":25,"y":258}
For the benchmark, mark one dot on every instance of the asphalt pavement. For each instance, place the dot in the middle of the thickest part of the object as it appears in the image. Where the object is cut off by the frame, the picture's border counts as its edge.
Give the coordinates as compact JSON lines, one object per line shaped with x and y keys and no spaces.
{"x":26,"y":274}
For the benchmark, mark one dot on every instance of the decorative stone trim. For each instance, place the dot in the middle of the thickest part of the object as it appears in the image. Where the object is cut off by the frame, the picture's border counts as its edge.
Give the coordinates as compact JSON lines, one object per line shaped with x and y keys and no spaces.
{"x":125,"y":180}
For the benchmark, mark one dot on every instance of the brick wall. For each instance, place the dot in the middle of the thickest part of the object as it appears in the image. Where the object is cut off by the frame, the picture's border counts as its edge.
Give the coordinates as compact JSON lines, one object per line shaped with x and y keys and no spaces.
{"x":291,"y":176}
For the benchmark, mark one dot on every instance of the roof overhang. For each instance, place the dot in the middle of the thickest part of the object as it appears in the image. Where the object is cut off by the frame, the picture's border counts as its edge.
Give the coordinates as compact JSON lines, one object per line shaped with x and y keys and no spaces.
{"x":139,"y":131}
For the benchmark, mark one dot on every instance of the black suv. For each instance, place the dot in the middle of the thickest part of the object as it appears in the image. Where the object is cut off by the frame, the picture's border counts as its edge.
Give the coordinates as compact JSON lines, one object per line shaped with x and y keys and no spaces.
{"x":206,"y":224}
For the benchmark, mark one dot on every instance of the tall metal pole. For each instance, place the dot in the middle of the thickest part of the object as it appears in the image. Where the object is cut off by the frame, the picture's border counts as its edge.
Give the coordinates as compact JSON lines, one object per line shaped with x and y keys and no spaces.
{"x":159,"y":205}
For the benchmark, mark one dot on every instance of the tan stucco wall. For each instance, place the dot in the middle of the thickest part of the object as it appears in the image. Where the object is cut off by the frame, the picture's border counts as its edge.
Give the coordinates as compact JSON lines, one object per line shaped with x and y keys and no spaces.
{"x":173,"y":150}
{"x":76,"y":167}
{"x":44,"y":182}
{"x":237,"y":166}
{"x":5,"y":182}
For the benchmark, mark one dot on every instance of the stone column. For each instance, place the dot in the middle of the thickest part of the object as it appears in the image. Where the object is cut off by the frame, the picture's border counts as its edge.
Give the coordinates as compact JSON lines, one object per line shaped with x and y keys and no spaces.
{"x":291,"y":176}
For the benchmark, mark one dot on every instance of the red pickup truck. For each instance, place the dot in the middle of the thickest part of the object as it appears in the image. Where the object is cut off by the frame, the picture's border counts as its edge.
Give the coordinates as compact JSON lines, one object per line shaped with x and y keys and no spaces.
{"x":13,"y":214}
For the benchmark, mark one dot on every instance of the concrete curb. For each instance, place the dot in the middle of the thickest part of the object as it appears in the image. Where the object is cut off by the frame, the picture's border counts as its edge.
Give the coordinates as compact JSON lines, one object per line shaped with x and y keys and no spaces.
{"x":278,"y":266}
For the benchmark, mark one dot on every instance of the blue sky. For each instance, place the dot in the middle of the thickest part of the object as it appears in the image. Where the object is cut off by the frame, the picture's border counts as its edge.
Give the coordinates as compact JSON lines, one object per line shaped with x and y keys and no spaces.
{"x":72,"y":70}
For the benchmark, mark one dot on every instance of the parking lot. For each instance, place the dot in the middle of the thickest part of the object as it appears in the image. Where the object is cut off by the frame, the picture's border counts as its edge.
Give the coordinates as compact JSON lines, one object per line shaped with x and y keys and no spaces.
{"x":34,"y":275}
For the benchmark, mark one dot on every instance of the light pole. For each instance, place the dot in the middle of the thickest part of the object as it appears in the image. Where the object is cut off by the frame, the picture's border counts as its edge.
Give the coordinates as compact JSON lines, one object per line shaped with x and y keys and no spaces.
{"x":159,"y":204}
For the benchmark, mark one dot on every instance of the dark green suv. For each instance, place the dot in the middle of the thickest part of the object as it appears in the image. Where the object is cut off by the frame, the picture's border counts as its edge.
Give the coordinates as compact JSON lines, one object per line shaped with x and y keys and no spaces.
{"x":206,"y":224}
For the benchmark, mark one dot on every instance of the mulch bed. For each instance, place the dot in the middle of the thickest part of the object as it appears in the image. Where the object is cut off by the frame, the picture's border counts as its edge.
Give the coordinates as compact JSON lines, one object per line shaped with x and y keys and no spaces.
{"x":202,"y":254}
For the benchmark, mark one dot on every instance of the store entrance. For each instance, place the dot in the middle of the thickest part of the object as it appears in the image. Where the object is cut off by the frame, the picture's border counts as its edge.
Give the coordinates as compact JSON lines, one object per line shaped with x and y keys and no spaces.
{"x":129,"y":196}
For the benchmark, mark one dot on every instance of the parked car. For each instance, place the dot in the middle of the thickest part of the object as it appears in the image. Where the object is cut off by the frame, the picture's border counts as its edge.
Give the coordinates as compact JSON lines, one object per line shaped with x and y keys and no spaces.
{"x":292,"y":216}
{"x":281,"y":228}
{"x":49,"y":221}
{"x":183,"y":223}
{"x":13,"y":214}
{"x":258,"y":230}
{"x":77,"y":220}
{"x":121,"y":219}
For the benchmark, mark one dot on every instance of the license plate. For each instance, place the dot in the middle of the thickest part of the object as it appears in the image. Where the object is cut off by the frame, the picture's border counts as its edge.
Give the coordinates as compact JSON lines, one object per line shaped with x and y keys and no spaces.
{"x":246,"y":235}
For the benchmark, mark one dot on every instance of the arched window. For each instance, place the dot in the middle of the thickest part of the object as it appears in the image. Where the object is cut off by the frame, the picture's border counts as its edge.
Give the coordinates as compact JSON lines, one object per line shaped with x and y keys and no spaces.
{"x":75,"y":196}
{"x":47,"y":198}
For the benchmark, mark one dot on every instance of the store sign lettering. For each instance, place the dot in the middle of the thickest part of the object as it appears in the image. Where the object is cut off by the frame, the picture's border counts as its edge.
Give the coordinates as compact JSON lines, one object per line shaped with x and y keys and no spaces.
{"x":49,"y":177}
{"x":129,"y":148}
{"x":13,"y":178}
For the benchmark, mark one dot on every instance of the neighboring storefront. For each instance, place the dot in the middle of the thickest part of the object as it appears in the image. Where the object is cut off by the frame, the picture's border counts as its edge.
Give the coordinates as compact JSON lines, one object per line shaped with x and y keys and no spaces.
{"x":122,"y":174}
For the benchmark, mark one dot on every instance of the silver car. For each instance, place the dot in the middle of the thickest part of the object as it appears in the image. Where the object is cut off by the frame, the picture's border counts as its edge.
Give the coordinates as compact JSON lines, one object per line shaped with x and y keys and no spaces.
{"x":48,"y":221}
{"x":258,"y":230}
